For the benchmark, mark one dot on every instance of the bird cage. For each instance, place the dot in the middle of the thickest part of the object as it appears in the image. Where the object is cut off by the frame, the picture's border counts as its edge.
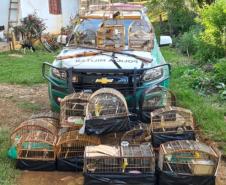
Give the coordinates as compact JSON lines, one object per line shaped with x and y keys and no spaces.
{"x":111,"y":138}
{"x":111,"y":36}
{"x":104,"y":159}
{"x":187,"y":159}
{"x":106,"y":103}
{"x":137,"y":135}
{"x":72,"y":110}
{"x":70,"y":150}
{"x":106,"y":112}
{"x":88,"y":5}
{"x":46,"y":125}
{"x":36,"y":151}
{"x":141,"y":36}
{"x":171,"y":123}
{"x":157,"y":97}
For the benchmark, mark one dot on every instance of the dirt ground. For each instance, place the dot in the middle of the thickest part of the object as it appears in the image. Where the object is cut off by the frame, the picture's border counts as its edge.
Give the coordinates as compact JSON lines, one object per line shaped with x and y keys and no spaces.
{"x":18,"y":103}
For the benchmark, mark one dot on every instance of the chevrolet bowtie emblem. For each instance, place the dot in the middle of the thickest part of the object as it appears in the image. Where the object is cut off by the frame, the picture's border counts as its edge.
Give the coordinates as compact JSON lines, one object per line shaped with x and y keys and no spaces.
{"x":104,"y":80}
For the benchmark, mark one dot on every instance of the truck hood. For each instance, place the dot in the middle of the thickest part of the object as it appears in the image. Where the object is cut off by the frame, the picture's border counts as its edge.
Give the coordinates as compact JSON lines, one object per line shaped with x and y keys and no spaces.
{"x":104,"y":60}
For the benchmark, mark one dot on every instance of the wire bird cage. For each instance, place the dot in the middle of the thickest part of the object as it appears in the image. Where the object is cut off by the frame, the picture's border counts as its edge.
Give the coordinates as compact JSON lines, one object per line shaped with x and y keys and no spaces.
{"x":72,"y":144}
{"x":157,"y":97}
{"x":37,"y":146}
{"x":141,"y":36}
{"x":45,"y":125}
{"x":72,"y":111}
{"x":171,"y":123}
{"x":111,"y":35}
{"x":106,"y":103}
{"x":137,"y":135}
{"x":171,"y":119}
{"x":188,"y":158}
{"x":105,"y":159}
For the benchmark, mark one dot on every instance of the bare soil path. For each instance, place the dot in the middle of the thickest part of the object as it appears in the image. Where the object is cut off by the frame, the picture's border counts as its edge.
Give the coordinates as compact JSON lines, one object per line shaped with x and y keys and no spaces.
{"x":18,"y":103}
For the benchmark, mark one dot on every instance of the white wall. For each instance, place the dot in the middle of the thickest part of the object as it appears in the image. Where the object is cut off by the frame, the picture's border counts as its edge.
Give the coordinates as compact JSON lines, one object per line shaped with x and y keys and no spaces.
{"x":4,"y":11}
{"x":53,"y":22}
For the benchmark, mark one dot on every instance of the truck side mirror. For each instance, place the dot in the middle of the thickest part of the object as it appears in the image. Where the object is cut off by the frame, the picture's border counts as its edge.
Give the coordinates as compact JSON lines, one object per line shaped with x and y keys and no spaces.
{"x":165,"y":41}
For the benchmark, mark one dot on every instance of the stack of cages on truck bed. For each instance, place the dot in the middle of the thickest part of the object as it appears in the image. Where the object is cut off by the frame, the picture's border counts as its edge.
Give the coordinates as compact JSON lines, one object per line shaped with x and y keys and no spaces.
{"x":106,"y":112}
{"x":187,"y":162}
{"x":36,"y":151}
{"x":70,"y":150}
{"x":126,"y":164}
{"x":171,"y":123}
{"x":72,"y":110}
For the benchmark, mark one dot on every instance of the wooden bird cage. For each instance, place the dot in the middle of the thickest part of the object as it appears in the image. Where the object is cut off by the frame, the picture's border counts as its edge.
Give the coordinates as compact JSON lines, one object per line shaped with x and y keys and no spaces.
{"x":72,"y":110}
{"x":105,"y":159}
{"x":141,"y":36}
{"x":45,"y":125}
{"x":171,"y":119}
{"x":111,"y":36}
{"x":72,"y":144}
{"x":37,"y":146}
{"x":188,"y":158}
{"x":171,"y":123}
{"x":106,"y":103}
{"x":157,"y":97}
{"x":137,"y":135}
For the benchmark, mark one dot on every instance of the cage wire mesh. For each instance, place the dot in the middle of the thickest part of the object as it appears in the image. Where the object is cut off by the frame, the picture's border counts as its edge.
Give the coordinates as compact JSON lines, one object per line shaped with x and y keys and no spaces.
{"x":72,"y":144}
{"x":111,"y":138}
{"x":188,"y":158}
{"x":106,"y":103}
{"x":37,"y":145}
{"x":158,"y":97}
{"x":73,"y":108}
{"x":103,"y":159}
{"x":137,"y":135}
{"x":141,"y":36}
{"x":172,"y":119}
{"x":45,"y":125}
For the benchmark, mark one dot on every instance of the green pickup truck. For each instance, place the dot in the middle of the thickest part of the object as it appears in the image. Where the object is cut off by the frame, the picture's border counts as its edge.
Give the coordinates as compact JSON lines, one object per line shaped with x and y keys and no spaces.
{"x":114,"y":47}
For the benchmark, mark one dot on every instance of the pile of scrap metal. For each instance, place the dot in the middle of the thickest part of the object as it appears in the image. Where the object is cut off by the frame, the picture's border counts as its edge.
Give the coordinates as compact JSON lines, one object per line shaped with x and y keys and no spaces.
{"x":97,"y":134}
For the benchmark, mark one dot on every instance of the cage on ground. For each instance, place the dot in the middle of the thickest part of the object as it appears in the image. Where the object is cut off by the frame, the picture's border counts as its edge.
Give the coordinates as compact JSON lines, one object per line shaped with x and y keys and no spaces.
{"x":106,"y":112}
{"x":72,"y":110}
{"x":36,"y":151}
{"x":137,"y":135}
{"x":106,"y":159}
{"x":70,"y":150}
{"x":156,"y":97}
{"x":187,"y":161}
{"x":171,"y":123}
{"x":47,"y":125}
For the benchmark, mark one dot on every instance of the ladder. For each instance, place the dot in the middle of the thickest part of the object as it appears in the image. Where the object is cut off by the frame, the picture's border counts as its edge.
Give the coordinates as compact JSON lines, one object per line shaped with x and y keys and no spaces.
{"x":13,"y":16}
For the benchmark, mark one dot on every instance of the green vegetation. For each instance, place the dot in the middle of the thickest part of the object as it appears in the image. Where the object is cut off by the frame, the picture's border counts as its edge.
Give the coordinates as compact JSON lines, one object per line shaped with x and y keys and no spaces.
{"x":23,"y":69}
{"x":208,"y":110}
{"x":7,"y":170}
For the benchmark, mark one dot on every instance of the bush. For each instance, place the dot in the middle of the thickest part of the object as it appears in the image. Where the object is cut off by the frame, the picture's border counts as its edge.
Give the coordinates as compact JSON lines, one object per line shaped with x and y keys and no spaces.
{"x":187,"y":43}
{"x":220,"y":70}
{"x":212,"y":40}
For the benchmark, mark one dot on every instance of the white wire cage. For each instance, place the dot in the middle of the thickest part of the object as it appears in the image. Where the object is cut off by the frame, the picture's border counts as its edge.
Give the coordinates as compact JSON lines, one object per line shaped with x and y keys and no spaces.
{"x":189,"y":158}
{"x":105,"y":159}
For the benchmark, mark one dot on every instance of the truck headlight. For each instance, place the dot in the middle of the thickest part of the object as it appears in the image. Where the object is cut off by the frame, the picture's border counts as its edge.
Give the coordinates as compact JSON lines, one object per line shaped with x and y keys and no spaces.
{"x":153,"y":74}
{"x":59,"y":73}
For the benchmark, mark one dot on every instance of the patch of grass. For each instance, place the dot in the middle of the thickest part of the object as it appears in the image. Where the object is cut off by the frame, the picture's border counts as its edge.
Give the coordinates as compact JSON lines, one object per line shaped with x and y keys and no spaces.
{"x":27,"y":106}
{"x":24,"y":69}
{"x":8,"y":173}
{"x":208,"y":111}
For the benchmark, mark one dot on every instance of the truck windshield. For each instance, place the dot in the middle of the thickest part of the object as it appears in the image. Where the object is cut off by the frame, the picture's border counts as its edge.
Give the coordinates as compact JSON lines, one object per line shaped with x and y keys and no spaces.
{"x":90,"y":32}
